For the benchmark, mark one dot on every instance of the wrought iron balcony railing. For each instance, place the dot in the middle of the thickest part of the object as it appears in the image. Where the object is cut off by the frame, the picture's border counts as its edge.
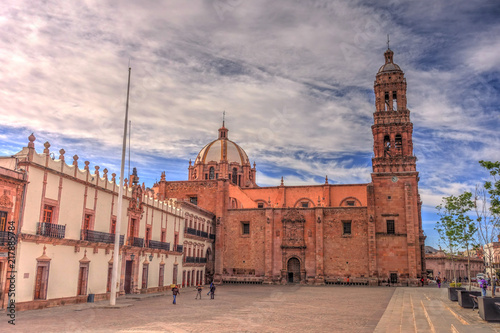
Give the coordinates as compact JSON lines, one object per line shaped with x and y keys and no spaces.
{"x":212,"y":236}
{"x":6,"y":237}
{"x":50,"y":230}
{"x":179,"y":248}
{"x":136,"y":241}
{"x":196,"y":260}
{"x":159,"y":245}
{"x":99,"y":236}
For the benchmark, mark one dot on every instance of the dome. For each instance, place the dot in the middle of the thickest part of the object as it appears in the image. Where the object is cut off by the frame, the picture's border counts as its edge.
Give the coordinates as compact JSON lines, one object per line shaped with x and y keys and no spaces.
{"x":222,"y":149}
{"x":389,"y":65}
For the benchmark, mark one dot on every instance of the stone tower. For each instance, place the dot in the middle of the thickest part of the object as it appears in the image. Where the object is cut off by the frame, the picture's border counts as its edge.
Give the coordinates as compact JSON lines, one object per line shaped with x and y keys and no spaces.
{"x":395,"y":207}
{"x":392,"y":129}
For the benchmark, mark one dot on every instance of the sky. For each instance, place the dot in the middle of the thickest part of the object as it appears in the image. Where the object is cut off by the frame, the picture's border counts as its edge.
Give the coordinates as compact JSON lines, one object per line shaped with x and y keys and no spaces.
{"x":295,"y":79}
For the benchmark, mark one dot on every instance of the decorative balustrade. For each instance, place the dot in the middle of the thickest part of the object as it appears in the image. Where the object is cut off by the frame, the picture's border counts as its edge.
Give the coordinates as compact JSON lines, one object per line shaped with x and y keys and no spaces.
{"x":102,"y":237}
{"x":179,"y":248}
{"x":50,"y":230}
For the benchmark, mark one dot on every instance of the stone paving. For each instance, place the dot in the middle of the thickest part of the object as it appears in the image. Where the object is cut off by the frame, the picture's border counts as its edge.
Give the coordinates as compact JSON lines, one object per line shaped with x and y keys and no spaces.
{"x":256,"y":308}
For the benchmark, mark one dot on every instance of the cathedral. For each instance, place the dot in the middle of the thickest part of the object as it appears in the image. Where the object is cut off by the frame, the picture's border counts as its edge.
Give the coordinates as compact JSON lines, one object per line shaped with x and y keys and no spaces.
{"x":316,"y":234}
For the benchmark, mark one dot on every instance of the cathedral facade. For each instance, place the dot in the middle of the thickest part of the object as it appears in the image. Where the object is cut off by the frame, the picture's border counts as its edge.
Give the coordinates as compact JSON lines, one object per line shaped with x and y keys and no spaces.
{"x":328,"y":233}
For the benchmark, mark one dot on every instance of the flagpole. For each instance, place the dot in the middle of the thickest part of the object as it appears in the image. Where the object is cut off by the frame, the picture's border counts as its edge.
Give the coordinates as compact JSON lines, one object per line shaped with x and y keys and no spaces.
{"x":114,"y":276}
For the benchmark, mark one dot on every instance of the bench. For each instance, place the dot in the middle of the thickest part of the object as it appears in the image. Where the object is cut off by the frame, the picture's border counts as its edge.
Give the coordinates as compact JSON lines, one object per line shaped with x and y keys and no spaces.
{"x":474,"y":302}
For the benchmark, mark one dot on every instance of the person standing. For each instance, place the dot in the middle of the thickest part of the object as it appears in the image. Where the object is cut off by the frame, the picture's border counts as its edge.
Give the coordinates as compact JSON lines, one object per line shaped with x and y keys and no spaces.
{"x":483,"y":284}
{"x":210,"y":288}
{"x":422,"y":281}
{"x":199,"y":288}
{"x":438,"y":280}
{"x":175,"y":292}
{"x":212,"y":291}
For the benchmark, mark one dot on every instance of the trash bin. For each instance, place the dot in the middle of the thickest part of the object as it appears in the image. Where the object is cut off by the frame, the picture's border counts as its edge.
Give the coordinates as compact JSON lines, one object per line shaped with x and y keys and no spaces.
{"x":90,"y":298}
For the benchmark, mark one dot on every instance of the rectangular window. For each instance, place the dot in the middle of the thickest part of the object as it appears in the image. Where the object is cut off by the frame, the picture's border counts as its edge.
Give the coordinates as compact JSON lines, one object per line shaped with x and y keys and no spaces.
{"x":193,"y":200}
{"x":347,"y":227}
{"x":48,"y":213}
{"x":163,"y":236}
{"x":113,"y":225}
{"x":305,"y":204}
{"x":260,"y":205}
{"x":350,"y":203}
{"x":3,"y":221}
{"x":245,"y":228}
{"x":390,"y":227}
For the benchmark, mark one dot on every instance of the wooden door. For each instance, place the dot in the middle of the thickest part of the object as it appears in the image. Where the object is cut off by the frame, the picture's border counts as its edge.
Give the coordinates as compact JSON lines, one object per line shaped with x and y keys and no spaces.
{"x":38,"y":283}
{"x":128,"y":276}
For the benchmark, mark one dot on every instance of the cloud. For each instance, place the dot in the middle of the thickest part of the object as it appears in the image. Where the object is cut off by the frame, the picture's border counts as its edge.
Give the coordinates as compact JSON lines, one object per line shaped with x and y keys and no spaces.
{"x":295,"y":80}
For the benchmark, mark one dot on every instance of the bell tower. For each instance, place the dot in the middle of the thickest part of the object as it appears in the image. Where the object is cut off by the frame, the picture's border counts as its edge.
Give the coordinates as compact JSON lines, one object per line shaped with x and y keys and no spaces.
{"x":392,"y":129}
{"x":394,"y":202}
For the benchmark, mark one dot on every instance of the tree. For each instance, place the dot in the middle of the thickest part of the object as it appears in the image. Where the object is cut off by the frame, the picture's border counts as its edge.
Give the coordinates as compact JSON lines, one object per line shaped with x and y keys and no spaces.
{"x":487,"y":207}
{"x":455,"y":227}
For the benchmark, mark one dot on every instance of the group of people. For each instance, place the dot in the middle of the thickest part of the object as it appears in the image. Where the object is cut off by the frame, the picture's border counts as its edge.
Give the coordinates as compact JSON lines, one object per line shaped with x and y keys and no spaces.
{"x":199,"y":288}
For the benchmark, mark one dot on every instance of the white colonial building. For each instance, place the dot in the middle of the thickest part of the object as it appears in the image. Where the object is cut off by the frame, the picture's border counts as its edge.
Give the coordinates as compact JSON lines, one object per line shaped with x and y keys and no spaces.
{"x":66,"y":229}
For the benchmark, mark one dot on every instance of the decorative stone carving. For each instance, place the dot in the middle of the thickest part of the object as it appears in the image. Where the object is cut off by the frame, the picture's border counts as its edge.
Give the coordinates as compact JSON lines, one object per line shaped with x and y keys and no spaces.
{"x":5,"y":201}
{"x":293,"y":229}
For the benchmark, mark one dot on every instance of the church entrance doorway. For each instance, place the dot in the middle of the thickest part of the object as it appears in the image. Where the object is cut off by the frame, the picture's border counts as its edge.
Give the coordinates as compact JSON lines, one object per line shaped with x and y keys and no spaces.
{"x":293,"y":270}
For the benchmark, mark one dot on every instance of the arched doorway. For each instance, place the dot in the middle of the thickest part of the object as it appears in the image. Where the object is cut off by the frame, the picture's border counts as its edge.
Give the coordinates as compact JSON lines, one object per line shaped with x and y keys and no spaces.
{"x":293,"y":270}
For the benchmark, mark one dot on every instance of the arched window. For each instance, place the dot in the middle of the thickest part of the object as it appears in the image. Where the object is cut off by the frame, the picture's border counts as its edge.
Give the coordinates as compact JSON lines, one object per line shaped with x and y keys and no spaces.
{"x":398,"y":142}
{"x":387,"y":145}
{"x":211,"y":173}
{"x":235,"y":176}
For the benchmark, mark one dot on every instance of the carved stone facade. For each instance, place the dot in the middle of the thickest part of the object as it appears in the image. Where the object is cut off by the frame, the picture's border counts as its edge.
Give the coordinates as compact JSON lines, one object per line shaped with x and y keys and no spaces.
{"x":323,"y":233}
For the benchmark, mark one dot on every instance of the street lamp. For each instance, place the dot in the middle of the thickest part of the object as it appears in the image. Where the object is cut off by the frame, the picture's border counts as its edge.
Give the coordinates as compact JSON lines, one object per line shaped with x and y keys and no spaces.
{"x":132,"y":257}
{"x":151,"y":257}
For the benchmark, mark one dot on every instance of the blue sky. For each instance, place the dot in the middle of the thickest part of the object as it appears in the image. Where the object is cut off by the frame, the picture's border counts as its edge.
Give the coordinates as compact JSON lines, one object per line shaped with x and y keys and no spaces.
{"x":294,"y":77}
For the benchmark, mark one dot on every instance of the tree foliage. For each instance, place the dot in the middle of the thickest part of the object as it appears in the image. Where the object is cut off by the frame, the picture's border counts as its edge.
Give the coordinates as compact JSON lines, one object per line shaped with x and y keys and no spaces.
{"x":455,"y":227}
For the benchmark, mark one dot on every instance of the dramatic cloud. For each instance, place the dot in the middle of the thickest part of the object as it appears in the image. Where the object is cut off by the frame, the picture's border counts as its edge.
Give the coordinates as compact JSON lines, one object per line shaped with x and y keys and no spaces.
{"x":294,"y":77}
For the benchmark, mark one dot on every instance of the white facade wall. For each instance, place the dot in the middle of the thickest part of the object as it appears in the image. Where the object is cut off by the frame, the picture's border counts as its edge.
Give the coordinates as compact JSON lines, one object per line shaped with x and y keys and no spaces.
{"x":74,"y":193}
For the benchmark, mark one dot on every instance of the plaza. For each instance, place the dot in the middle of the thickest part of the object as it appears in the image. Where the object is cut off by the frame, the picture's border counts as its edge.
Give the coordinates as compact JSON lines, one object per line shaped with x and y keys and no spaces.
{"x":260,"y":308}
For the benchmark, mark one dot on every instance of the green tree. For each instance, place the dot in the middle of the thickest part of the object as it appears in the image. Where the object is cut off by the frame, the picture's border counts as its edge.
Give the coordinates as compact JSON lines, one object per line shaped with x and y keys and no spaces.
{"x":487,"y":207}
{"x":455,"y":226}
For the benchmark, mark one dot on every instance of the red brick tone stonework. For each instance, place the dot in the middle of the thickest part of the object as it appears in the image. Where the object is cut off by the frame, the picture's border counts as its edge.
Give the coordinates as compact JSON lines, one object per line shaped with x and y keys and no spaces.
{"x":329,"y":233}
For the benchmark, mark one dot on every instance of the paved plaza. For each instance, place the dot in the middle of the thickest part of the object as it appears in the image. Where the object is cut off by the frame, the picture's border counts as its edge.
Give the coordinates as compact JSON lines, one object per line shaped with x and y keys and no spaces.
{"x":256,"y":308}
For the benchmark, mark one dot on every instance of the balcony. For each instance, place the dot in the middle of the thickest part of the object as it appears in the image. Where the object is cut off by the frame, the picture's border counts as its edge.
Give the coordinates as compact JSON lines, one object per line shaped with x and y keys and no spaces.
{"x":212,"y":236}
{"x":102,"y":237}
{"x":199,"y":233}
{"x":196,"y":260}
{"x":159,"y":245}
{"x":135,"y":241}
{"x":179,"y":248}
{"x":50,"y":230}
{"x":4,"y":238}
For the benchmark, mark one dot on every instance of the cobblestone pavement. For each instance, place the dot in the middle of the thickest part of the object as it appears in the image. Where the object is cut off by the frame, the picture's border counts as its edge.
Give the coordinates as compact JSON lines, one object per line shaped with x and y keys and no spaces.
{"x":236,"y":308}
{"x":256,"y":308}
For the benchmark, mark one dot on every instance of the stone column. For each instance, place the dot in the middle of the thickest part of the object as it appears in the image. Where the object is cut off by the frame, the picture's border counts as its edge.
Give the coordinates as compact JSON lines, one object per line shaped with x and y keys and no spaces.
{"x":320,"y":253}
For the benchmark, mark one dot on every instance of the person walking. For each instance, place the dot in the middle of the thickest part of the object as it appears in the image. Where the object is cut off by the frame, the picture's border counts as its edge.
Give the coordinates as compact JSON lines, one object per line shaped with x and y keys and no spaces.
{"x":212,"y":291}
{"x":422,"y":281}
{"x":175,"y":292}
{"x":483,"y":284}
{"x":199,"y":288}
{"x":438,"y":280}
{"x":210,"y":288}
